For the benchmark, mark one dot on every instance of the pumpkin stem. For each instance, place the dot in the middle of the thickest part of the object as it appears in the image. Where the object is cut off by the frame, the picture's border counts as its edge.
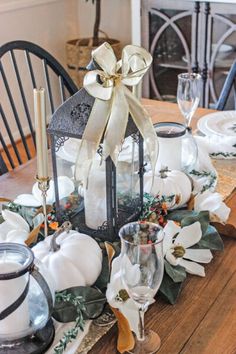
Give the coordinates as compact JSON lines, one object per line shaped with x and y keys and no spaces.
{"x":65,"y":227}
{"x":163,"y":172}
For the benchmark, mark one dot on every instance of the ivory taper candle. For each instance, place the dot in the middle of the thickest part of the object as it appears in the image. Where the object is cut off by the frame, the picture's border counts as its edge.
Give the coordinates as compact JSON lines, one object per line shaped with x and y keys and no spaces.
{"x":41,"y":133}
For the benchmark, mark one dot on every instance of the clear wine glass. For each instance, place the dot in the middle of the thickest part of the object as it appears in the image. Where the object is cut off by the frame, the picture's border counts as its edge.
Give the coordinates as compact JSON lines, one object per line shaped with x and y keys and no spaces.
{"x":142,"y":268}
{"x":188,"y":94}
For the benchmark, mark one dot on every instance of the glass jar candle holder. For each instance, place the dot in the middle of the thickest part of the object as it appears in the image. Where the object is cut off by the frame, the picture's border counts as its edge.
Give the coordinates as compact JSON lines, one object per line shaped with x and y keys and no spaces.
{"x":26,"y":302}
{"x":177,"y":147}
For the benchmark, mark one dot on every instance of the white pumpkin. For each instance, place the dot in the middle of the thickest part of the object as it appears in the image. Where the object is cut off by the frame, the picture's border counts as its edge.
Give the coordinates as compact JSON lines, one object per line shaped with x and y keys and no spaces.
{"x":168,"y":183}
{"x":76,"y":260}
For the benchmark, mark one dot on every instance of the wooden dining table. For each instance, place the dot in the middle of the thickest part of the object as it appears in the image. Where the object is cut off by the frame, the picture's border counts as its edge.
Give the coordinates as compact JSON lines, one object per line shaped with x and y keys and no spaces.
{"x":203,"y":321}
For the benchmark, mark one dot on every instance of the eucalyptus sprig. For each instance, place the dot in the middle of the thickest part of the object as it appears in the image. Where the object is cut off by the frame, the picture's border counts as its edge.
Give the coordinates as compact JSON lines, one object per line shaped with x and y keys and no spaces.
{"x":223,"y":154}
{"x":71,"y":334}
{"x":212,"y":178}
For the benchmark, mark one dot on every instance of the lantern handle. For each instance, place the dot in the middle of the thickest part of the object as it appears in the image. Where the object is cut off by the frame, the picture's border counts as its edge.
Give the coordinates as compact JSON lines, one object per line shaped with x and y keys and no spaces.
{"x":65,"y":227}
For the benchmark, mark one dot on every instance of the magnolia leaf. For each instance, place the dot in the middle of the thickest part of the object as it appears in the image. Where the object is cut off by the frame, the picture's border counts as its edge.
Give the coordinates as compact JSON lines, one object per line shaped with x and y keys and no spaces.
{"x":202,"y":217}
{"x":93,"y":301}
{"x":49,"y":209}
{"x":38,"y":219}
{"x":125,"y":341}
{"x":33,"y":235}
{"x":5,"y":200}
{"x":28,"y":214}
{"x":170,"y":290}
{"x":211,"y":240}
{"x":104,"y":276}
{"x":190,"y":204}
{"x":178,"y":215}
{"x":110,"y":253}
{"x":177,"y":273}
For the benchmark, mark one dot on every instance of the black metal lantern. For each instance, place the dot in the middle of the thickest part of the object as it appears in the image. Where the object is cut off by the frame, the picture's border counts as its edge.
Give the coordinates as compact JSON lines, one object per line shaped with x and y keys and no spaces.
{"x":122,"y":203}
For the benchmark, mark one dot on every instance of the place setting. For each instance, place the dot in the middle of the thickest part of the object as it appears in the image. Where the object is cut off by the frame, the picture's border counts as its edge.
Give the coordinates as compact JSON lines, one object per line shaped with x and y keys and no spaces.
{"x":126,"y":217}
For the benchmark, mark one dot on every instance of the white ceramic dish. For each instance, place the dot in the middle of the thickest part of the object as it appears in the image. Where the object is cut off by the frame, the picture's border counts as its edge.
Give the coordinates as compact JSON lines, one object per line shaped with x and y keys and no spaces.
{"x":218,"y":123}
{"x":223,"y":51}
{"x":70,"y":150}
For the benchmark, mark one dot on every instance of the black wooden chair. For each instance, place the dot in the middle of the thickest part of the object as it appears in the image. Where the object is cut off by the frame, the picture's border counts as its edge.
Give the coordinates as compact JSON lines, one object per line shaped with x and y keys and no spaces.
{"x":230,"y":84}
{"x":23,"y":67}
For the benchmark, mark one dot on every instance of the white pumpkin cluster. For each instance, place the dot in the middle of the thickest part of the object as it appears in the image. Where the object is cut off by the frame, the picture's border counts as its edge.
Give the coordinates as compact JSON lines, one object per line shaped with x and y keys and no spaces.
{"x":77,"y":262}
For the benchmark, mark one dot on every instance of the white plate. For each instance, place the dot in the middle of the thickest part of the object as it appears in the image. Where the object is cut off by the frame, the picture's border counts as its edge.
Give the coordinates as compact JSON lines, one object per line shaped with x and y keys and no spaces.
{"x":218,"y":123}
{"x":223,"y":51}
{"x":70,"y":150}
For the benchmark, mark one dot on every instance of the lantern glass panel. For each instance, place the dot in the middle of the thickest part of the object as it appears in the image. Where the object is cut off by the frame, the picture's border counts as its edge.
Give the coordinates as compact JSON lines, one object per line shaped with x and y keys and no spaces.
{"x":68,"y":201}
{"x":128,"y":181}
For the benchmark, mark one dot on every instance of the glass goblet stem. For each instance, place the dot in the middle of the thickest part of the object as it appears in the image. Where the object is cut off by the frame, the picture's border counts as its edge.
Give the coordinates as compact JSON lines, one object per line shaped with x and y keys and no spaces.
{"x":141,"y":313}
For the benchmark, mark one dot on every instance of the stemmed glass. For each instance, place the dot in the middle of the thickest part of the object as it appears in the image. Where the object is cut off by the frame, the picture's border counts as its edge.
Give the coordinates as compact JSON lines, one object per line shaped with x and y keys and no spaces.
{"x":142,"y":268}
{"x":188,"y":94}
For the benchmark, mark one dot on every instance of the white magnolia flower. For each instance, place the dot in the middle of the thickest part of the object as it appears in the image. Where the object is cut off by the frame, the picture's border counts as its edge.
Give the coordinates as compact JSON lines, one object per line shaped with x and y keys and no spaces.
{"x":214,"y":204}
{"x":65,"y":187}
{"x":14,"y":228}
{"x":115,"y":289}
{"x":176,"y":247}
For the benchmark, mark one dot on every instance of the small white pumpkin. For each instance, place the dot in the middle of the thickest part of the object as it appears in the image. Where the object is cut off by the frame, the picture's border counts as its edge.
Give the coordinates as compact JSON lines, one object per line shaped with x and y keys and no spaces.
{"x":168,"y":183}
{"x":72,"y":258}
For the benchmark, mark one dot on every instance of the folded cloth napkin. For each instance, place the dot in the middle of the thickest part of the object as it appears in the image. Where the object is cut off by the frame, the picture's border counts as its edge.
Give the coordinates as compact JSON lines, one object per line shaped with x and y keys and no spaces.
{"x":203,"y":174}
{"x":218,"y":147}
{"x":60,"y":329}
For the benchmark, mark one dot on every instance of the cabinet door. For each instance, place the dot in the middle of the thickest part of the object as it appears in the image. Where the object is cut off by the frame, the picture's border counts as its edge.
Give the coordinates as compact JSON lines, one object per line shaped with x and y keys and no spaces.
{"x":220,"y":50}
{"x":167,"y":33}
{"x":188,"y":36}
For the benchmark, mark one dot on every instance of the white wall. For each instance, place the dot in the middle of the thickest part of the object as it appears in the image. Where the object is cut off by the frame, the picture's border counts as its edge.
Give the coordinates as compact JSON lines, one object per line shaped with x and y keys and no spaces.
{"x":115,"y":19}
{"x":48,"y":23}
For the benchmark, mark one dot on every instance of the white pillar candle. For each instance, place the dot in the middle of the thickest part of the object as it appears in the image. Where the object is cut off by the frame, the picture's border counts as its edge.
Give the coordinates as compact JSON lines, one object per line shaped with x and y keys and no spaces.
{"x":41,"y":133}
{"x":95,"y":196}
{"x":10,"y":290}
{"x":170,"y":153}
{"x":170,"y":136}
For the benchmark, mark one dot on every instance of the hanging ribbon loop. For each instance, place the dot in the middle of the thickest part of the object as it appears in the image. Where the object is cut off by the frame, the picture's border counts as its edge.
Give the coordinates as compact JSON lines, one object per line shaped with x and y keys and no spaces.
{"x":114,"y":102}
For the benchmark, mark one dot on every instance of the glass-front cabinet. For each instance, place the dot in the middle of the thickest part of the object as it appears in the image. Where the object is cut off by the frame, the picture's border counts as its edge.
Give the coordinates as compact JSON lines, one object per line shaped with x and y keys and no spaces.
{"x":184,"y":35}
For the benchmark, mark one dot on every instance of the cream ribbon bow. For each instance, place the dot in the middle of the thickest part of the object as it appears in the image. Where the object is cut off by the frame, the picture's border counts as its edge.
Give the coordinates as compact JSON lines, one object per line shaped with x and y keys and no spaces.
{"x":114,"y":101}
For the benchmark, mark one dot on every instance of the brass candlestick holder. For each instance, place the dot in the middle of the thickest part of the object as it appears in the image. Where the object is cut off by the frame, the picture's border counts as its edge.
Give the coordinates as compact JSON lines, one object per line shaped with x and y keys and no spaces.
{"x":43,"y":184}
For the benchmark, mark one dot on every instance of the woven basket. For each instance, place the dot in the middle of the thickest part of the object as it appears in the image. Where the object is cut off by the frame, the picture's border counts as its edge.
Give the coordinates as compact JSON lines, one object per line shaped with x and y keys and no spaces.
{"x":79,"y":55}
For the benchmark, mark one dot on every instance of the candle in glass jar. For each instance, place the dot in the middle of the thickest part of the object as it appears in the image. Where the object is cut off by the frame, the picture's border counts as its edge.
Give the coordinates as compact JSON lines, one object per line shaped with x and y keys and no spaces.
{"x":10,"y":290}
{"x":170,"y":153}
{"x":170,"y":135}
{"x":95,"y":196}
{"x":41,"y":133}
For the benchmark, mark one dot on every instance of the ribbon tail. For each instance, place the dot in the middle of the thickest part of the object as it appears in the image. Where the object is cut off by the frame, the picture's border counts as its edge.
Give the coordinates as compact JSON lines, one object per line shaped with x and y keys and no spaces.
{"x":91,"y":138}
{"x":116,"y":127}
{"x":144,"y":125}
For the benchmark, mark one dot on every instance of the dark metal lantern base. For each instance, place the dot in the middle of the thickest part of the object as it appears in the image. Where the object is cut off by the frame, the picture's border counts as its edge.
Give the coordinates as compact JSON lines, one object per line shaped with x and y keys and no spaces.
{"x":34,"y":344}
{"x":103,"y":232}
